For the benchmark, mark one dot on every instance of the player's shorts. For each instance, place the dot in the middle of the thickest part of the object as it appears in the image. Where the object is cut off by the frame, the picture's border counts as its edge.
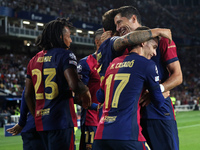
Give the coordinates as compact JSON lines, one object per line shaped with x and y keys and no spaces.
{"x":119,"y":145}
{"x":32,"y":140}
{"x":58,"y":139}
{"x":160,"y":134}
{"x":87,"y":137}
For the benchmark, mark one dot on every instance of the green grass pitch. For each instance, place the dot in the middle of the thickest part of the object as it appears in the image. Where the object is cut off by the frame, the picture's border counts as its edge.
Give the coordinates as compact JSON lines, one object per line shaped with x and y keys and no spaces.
{"x":188,"y":127}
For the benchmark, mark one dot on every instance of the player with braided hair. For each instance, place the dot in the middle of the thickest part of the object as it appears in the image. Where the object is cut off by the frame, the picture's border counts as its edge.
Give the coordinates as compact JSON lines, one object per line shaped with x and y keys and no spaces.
{"x":51,"y":78}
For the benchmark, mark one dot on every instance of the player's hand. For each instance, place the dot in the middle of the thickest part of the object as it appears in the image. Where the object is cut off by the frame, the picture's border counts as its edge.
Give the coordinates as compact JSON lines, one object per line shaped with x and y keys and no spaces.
{"x":166,"y":33}
{"x":145,"y":99}
{"x":86,"y":99}
{"x":15,"y":130}
{"x":99,"y":106}
{"x":105,"y":36}
{"x":166,"y":94}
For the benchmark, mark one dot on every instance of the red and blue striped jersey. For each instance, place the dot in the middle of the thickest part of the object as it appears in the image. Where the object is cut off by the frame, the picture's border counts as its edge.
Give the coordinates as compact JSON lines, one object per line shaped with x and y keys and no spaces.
{"x":120,"y":91}
{"x":54,"y":102}
{"x":166,"y":54}
{"x":87,"y":70}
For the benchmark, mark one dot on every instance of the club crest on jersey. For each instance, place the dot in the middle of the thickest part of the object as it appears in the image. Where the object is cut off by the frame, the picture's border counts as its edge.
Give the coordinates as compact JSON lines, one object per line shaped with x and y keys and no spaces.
{"x":79,"y":68}
{"x":72,"y":56}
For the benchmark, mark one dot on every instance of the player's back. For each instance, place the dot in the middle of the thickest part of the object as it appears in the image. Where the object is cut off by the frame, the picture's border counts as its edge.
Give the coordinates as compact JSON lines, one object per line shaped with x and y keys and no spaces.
{"x":106,"y":54}
{"x":123,"y":84}
{"x":53,"y":109}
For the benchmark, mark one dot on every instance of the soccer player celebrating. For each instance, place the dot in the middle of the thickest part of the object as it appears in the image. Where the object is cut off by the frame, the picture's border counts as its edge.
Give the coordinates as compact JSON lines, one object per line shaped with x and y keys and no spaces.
{"x":115,"y":46}
{"x":128,"y":19}
{"x":51,"y":78}
{"x":87,"y":70}
{"x":119,"y":127}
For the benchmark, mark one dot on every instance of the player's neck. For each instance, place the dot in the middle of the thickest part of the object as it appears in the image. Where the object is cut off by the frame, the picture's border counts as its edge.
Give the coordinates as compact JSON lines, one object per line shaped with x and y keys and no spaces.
{"x":137,"y":50}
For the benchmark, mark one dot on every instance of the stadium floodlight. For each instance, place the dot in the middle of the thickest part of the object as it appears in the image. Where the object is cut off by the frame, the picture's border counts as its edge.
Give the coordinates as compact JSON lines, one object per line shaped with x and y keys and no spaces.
{"x":26,"y":22}
{"x":40,"y":24}
{"x":79,"y":31}
{"x":91,"y":32}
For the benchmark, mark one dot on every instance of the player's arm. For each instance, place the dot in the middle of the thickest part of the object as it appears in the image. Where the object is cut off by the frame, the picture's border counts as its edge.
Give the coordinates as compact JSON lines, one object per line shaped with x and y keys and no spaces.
{"x":169,"y":57}
{"x":23,"y":111}
{"x":175,"y":78}
{"x":30,"y":96}
{"x":15,"y":130}
{"x":78,"y":87}
{"x":137,"y":37}
{"x":22,"y":120}
{"x":100,"y":96}
{"x":152,"y":83}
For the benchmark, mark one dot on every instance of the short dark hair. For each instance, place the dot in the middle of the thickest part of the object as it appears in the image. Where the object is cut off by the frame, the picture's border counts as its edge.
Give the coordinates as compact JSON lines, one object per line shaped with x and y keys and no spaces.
{"x":98,"y":32}
{"x":108,"y":20}
{"x":128,"y":12}
{"x":52,"y":32}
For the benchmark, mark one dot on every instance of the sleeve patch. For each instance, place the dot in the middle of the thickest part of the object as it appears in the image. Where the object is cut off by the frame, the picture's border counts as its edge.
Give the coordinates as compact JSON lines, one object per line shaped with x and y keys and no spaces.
{"x":72,"y":62}
{"x":156,"y":78}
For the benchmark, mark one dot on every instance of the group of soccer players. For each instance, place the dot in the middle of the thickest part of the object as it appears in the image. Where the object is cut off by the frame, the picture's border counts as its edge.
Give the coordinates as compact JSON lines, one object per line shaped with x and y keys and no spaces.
{"x":124,"y":124}
{"x":130,"y":76}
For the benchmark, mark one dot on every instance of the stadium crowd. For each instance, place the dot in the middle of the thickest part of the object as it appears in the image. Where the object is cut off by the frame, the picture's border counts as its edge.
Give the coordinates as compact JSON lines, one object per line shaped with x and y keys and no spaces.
{"x":91,"y":12}
{"x":13,"y":73}
{"x":13,"y":66}
{"x":14,"y":70}
{"x":189,"y":91}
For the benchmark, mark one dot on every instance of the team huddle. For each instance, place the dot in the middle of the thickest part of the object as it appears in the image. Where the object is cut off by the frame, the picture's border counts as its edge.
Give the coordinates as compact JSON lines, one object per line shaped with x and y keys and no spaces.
{"x":123,"y":88}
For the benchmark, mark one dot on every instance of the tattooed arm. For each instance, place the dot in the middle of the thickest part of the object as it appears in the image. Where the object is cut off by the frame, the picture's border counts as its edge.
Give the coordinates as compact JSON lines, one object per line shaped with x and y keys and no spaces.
{"x":137,"y":37}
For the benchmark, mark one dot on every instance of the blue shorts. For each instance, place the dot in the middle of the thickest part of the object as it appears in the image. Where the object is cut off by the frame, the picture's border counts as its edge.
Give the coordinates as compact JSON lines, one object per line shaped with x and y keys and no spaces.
{"x":160,"y":134}
{"x":58,"y":139}
{"x":119,"y":145}
{"x":32,"y":141}
{"x":87,"y":137}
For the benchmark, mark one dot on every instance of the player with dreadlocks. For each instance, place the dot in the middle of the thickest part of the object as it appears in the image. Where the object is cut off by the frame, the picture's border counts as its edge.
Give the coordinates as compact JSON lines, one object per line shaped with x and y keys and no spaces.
{"x":51,"y":78}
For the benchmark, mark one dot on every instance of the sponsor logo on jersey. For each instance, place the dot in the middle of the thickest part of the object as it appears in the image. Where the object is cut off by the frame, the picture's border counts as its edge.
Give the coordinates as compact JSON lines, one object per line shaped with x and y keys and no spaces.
{"x":108,"y":119}
{"x":42,"y":112}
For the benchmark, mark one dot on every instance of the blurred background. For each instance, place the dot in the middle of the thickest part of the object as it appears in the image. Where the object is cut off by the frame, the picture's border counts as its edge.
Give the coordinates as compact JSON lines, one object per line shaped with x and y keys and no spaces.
{"x":21,"y":21}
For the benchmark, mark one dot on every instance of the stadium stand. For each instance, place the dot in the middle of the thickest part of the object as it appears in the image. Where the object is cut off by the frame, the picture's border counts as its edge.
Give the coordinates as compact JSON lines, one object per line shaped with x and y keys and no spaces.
{"x":17,"y":39}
